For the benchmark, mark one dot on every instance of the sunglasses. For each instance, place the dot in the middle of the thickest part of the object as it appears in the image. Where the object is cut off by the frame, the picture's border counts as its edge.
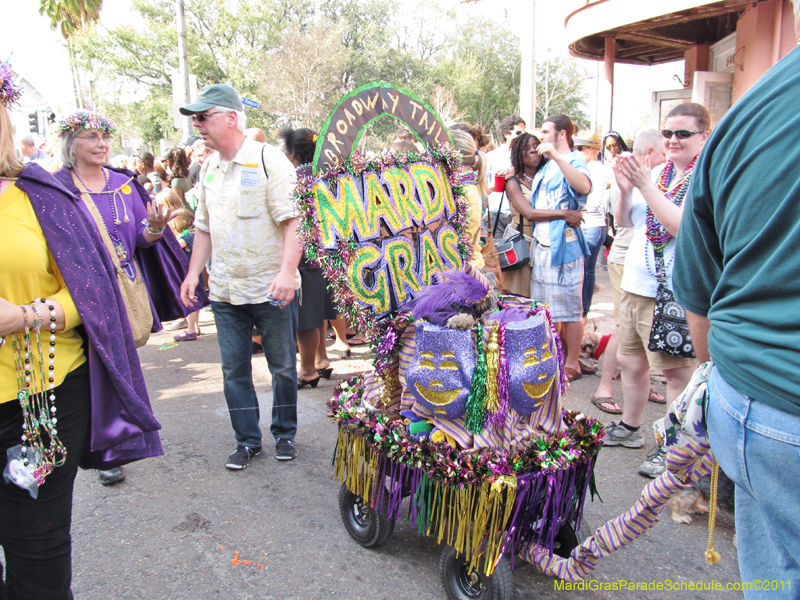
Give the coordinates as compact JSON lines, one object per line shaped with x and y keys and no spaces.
{"x":204,"y":115}
{"x":681,"y":134}
{"x":94,"y":138}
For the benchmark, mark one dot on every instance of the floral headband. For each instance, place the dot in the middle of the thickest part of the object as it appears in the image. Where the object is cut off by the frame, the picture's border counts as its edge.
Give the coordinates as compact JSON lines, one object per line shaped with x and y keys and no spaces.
{"x":85,"y":120}
{"x":9,"y":91}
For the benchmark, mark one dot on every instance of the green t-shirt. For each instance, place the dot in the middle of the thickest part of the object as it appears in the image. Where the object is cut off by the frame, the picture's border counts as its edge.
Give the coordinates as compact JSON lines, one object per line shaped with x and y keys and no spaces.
{"x":738,"y":249}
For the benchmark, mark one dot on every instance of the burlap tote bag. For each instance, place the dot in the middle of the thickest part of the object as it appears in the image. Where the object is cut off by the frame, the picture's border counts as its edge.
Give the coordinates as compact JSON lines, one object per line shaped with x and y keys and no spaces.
{"x":134,"y":292}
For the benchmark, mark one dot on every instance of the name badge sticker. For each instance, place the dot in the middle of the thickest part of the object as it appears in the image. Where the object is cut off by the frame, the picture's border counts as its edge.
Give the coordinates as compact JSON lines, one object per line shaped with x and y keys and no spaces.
{"x":569,"y":234}
{"x":249,"y":176}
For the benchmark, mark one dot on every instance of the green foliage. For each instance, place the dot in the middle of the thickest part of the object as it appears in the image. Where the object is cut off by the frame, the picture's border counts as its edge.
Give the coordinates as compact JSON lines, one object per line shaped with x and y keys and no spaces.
{"x":298,"y":57}
{"x":70,"y":15}
{"x":558,"y":90}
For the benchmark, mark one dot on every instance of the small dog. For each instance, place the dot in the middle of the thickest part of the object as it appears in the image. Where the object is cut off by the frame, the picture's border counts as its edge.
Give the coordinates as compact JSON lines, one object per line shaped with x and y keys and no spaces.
{"x":694,"y":501}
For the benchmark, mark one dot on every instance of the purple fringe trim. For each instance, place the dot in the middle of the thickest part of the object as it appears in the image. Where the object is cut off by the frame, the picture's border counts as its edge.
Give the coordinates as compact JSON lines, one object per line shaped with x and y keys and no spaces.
{"x":544,"y":501}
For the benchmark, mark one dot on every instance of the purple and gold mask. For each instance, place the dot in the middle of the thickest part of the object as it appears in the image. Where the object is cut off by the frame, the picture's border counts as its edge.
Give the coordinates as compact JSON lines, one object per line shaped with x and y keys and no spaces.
{"x":532,"y":363}
{"x":440,"y":373}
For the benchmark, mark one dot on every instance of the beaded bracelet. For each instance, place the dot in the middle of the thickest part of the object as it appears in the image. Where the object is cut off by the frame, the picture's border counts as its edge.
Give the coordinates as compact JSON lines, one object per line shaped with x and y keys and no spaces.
{"x":37,"y":317}
{"x":151,"y":230}
{"x":24,"y":317}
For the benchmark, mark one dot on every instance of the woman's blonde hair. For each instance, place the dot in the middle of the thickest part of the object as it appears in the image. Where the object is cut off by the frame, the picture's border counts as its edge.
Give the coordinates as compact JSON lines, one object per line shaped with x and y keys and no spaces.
{"x":183,"y":221}
{"x":470,"y":156}
{"x":170,"y":199}
{"x":10,"y":165}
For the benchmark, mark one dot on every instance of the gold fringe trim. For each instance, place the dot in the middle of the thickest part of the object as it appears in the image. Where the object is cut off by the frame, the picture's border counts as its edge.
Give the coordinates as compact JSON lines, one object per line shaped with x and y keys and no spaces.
{"x":712,"y":556}
{"x":472,"y":518}
{"x":492,"y":369}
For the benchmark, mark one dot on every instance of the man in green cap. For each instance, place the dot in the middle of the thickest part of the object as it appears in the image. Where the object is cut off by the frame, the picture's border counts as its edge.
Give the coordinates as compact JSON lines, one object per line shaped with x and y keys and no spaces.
{"x":245,"y":213}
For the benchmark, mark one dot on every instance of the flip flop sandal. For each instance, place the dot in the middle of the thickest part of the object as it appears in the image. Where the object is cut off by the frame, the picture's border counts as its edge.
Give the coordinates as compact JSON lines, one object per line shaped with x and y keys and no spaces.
{"x":572,"y":374}
{"x":656,"y":398}
{"x":598,"y":402}
{"x":357,"y":341}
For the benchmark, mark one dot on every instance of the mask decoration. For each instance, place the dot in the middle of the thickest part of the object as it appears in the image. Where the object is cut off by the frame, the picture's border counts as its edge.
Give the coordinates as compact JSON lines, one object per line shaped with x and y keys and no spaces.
{"x":439,"y":375}
{"x":532,"y":363}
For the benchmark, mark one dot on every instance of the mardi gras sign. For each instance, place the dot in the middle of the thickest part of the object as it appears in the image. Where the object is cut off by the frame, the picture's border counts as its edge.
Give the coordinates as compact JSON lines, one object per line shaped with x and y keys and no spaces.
{"x":382,"y":227}
{"x":356,"y":110}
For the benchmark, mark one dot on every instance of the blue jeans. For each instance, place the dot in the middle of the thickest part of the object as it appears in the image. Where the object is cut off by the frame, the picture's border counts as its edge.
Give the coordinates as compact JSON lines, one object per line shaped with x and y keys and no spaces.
{"x":758,"y":447}
{"x":595,"y":236}
{"x":278,"y":328}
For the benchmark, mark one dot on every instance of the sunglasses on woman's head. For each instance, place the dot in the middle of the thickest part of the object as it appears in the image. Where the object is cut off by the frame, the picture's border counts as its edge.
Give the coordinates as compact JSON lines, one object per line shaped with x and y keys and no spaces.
{"x":682,"y":134}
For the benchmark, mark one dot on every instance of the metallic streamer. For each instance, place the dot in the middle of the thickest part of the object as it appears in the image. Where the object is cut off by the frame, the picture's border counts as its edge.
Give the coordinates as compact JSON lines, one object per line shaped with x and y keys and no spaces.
{"x":476,"y":401}
{"x":492,"y":368}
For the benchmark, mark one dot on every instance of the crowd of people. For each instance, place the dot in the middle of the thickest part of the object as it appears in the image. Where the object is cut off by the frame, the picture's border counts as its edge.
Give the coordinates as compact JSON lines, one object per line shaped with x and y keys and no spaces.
{"x":116,"y":247}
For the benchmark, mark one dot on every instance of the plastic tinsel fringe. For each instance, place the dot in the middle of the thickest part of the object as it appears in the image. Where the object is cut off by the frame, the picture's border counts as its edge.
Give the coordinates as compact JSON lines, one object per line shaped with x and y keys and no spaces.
{"x":476,"y":401}
{"x":498,"y":418}
{"x":492,"y":370}
{"x":480,"y":520}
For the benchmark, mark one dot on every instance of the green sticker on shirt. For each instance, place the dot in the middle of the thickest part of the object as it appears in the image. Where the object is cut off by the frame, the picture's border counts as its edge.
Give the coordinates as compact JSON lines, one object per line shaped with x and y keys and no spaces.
{"x":209,"y":178}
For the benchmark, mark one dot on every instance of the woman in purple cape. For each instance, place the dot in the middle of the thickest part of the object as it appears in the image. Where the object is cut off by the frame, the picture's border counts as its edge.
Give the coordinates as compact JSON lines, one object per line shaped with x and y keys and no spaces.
{"x":143,"y":244}
{"x":80,"y":402}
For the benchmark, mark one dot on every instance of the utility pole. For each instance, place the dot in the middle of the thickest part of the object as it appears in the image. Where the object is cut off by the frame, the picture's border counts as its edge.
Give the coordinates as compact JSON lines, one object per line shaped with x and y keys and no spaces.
{"x":527,"y":80}
{"x":183,"y":67}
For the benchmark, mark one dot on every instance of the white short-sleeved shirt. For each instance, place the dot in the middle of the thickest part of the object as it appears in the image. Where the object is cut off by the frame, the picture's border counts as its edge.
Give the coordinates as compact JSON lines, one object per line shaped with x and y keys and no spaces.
{"x":640,"y":263}
{"x":243,"y":211}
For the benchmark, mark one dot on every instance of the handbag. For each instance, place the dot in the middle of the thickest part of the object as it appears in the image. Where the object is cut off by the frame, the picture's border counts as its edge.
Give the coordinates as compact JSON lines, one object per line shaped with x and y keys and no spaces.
{"x":670,"y":332}
{"x":513,"y":252}
{"x":134,"y":292}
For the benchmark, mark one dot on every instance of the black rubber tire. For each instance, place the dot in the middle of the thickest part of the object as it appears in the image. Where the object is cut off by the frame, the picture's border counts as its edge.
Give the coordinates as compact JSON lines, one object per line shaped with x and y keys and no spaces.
{"x":364,"y":524}
{"x":459,"y":584}
{"x":567,"y":539}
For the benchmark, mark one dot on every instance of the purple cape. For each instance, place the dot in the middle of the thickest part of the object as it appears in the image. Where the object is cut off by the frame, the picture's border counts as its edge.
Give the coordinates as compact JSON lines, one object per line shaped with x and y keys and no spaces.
{"x":163,"y":265}
{"x":123,"y":426}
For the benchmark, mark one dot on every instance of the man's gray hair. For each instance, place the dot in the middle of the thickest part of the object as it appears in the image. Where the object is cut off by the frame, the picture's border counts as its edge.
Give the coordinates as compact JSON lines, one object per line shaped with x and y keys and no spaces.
{"x":649,"y":138}
{"x":241,"y":118}
{"x":28,"y":141}
{"x":199,"y":147}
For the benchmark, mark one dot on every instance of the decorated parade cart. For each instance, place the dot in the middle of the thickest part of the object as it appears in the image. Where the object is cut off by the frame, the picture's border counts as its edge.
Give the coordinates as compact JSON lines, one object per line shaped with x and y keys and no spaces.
{"x":462,"y":413}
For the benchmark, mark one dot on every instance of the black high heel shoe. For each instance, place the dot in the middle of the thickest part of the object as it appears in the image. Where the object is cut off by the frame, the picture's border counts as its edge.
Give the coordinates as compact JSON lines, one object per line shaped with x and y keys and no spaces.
{"x":301,"y":383}
{"x":325,"y":373}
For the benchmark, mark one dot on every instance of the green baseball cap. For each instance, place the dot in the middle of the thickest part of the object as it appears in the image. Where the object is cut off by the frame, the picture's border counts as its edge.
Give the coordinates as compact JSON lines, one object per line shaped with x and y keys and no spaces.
{"x":210,"y":96}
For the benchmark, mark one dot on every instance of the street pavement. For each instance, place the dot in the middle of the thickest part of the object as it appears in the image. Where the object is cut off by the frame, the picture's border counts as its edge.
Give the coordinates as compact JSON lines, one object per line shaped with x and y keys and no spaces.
{"x":184,"y":527}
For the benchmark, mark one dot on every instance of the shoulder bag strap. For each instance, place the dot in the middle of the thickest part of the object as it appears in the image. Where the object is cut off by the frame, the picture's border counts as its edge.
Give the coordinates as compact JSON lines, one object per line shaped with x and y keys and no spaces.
{"x":263,"y":162}
{"x":101,"y":226}
{"x":661,"y":269}
{"x":499,"y":206}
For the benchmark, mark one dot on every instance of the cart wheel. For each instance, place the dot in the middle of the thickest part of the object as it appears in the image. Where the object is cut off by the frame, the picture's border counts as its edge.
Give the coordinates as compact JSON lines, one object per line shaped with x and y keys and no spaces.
{"x":363,"y":523}
{"x":461,"y":584}
{"x":566,"y":541}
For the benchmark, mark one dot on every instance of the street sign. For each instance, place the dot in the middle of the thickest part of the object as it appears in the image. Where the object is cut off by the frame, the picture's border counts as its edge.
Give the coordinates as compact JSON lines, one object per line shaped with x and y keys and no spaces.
{"x":250,"y":103}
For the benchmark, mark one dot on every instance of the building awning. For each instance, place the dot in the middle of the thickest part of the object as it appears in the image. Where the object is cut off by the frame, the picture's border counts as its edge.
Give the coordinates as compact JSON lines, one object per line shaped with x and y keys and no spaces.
{"x":650,"y":32}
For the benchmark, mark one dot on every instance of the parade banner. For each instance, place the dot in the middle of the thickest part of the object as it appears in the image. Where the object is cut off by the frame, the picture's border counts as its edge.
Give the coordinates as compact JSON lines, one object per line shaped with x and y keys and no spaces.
{"x":344,"y":126}
{"x":381,"y":227}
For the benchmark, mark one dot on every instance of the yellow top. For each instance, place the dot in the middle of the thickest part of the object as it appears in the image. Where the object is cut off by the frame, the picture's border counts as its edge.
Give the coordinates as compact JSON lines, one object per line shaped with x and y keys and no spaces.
{"x":475,"y":203}
{"x":29,"y":271}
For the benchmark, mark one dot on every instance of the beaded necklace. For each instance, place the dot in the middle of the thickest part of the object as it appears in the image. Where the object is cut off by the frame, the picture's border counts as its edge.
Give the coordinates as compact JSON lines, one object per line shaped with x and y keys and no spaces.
{"x":674,"y":191}
{"x":119,"y":247}
{"x":38,"y":407}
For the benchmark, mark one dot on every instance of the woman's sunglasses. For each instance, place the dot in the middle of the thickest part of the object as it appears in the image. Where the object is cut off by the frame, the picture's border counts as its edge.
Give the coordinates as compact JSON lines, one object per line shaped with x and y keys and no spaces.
{"x":682,"y":134}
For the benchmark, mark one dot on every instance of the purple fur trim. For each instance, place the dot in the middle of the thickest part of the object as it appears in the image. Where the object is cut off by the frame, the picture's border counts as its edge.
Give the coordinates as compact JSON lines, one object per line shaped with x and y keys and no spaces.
{"x":454,"y":288}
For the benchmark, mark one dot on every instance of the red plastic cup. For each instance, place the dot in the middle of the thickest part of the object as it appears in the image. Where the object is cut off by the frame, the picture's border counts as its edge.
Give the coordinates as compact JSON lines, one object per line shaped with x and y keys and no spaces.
{"x":499,"y":183}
